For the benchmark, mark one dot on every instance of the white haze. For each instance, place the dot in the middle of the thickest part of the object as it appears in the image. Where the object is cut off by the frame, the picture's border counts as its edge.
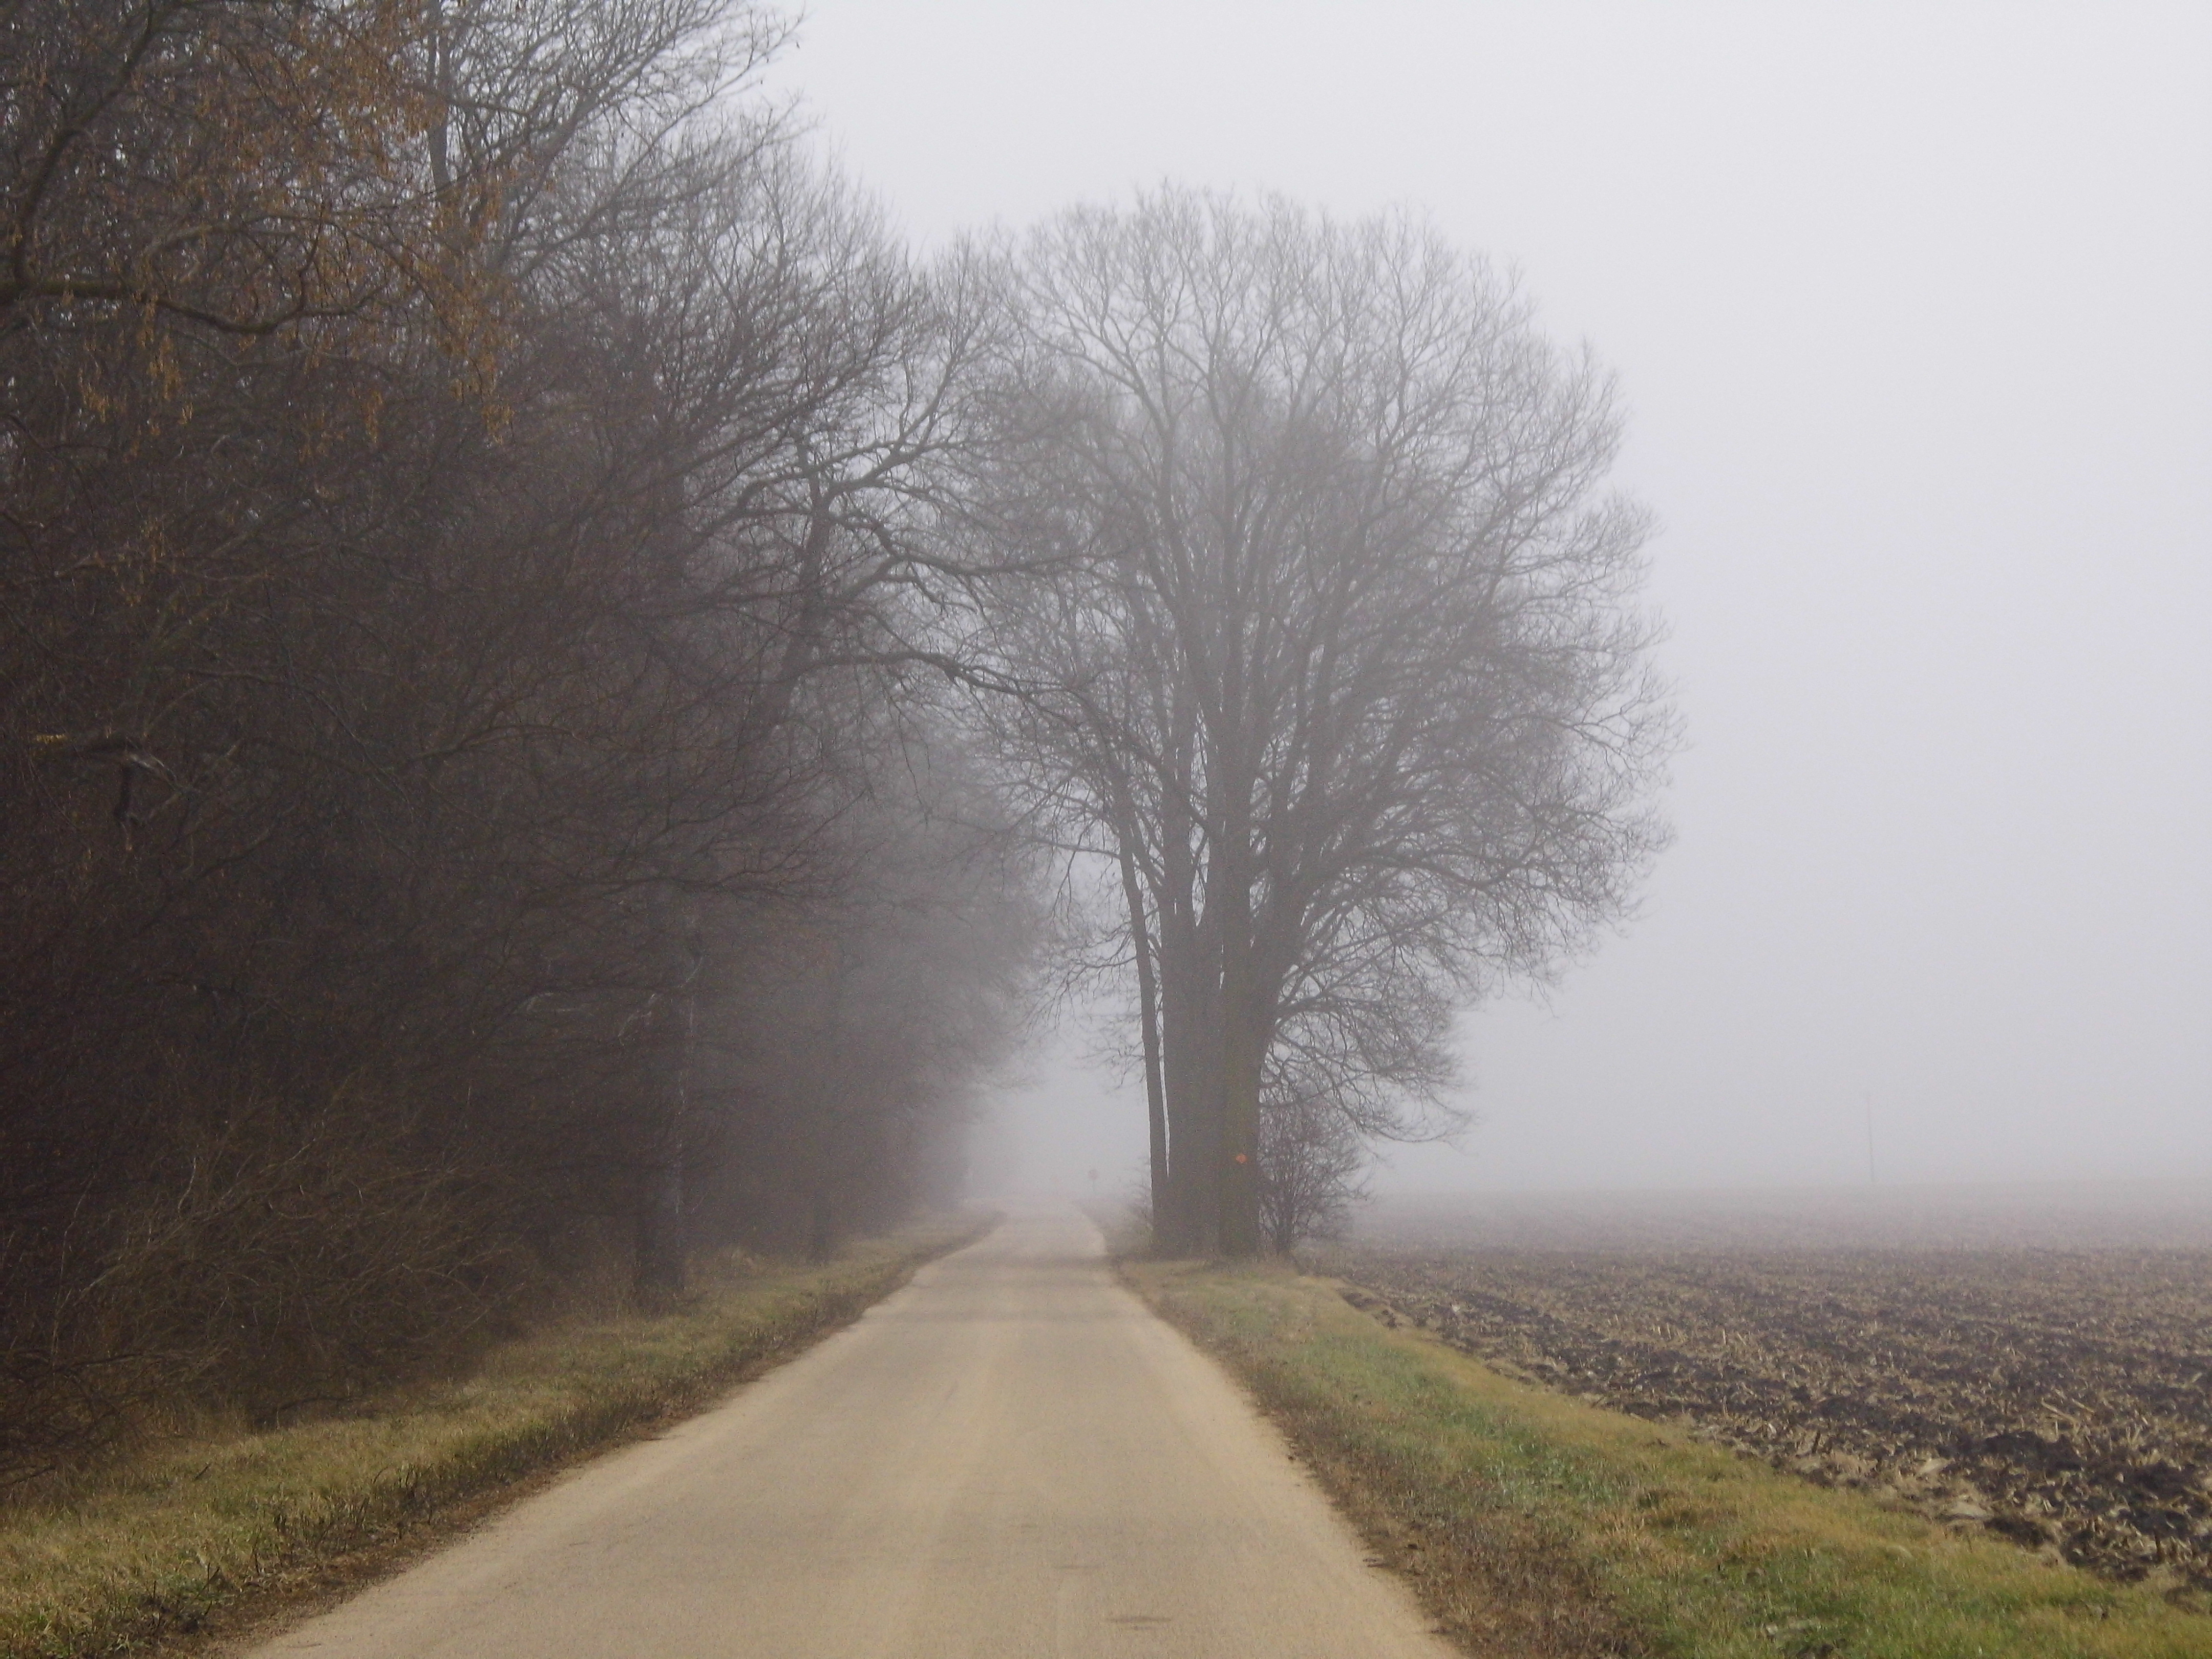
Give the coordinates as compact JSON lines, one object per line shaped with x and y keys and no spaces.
{"x":1910,"y":306}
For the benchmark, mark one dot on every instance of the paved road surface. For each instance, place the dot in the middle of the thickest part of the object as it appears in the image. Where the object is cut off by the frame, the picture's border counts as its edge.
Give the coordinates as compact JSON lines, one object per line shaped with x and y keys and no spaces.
{"x":1010,"y":1459}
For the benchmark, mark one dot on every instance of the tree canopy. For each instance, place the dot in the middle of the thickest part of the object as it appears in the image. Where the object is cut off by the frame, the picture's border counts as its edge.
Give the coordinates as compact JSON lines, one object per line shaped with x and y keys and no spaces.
{"x":546,"y":661}
{"x":1352,"y":687}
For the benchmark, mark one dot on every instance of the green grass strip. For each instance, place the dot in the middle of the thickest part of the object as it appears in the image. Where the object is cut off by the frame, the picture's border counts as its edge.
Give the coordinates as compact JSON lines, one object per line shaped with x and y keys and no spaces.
{"x":191,"y":1535}
{"x":1535,"y":1525}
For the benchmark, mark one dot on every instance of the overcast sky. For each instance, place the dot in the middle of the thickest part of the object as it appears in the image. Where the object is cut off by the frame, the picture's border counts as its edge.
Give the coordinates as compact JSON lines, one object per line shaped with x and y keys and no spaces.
{"x":1913,"y":305}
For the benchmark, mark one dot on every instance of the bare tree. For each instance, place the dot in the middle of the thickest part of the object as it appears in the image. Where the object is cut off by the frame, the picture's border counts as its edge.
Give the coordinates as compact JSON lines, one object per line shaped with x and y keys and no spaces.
{"x":1311,"y":1159}
{"x":465,"y":580}
{"x":1355,"y":679}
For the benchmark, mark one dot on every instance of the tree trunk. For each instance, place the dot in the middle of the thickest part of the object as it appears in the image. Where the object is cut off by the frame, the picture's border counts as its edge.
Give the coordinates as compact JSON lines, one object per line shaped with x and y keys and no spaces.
{"x":1188,"y":991}
{"x":1155,"y":1109}
{"x":1243,"y":1046}
{"x":660,"y":1244}
{"x":1185,"y":987}
{"x":1231,"y":868}
{"x":821,"y":1228}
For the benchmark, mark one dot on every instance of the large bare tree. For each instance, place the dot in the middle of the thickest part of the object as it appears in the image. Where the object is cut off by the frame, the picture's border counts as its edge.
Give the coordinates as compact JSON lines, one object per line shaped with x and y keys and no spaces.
{"x":1354,"y":689}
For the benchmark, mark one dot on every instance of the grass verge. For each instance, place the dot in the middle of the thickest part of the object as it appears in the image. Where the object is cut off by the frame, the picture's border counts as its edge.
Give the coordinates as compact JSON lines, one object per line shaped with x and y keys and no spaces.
{"x":1535,"y":1525}
{"x":196,"y":1538}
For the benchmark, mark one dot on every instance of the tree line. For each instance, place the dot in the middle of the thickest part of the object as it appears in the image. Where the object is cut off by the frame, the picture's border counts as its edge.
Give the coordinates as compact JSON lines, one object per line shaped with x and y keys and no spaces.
{"x":549,"y":670}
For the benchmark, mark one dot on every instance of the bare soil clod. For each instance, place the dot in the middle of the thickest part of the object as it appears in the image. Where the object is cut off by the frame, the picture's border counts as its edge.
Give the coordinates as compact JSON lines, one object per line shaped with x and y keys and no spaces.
{"x":2060,"y":1399}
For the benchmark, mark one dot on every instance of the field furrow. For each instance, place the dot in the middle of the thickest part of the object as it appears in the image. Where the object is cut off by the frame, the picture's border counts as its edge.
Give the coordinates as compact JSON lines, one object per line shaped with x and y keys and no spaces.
{"x":2060,"y":1398}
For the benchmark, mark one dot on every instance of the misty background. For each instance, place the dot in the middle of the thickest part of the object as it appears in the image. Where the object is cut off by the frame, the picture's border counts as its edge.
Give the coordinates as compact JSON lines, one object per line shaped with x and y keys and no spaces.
{"x":1908,"y":304}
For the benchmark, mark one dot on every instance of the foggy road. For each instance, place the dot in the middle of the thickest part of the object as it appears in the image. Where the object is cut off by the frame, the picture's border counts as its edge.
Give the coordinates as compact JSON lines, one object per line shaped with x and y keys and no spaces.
{"x":1010,"y":1457}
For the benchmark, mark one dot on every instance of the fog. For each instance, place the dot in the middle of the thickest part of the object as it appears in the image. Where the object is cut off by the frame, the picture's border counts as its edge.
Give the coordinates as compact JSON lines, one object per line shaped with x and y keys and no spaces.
{"x":1909,"y":305}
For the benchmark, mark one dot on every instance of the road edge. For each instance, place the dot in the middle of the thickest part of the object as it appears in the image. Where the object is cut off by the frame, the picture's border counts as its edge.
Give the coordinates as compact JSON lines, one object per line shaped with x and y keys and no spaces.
{"x":1533,"y":1525}
{"x":217,"y":1606}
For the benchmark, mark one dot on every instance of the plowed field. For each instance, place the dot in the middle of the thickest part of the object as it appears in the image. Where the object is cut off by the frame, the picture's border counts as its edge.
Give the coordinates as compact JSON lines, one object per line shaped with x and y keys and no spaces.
{"x":2062,"y":1398}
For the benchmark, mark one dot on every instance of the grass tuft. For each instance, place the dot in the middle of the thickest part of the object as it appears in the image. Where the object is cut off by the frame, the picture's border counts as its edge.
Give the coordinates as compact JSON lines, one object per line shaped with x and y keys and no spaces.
{"x":1535,"y":1525}
{"x":209,"y":1532}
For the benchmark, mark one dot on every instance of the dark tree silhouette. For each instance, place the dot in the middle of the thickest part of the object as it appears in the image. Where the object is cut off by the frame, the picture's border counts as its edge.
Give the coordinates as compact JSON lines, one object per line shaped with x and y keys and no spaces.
{"x":1354,"y":678}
